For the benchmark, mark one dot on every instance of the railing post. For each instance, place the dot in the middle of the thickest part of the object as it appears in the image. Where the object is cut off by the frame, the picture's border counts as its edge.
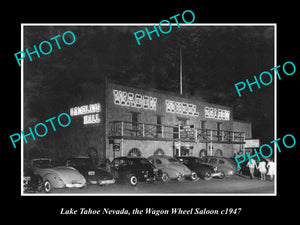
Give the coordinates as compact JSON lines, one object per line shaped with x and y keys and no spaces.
{"x":232,"y":136}
{"x":162,"y":131}
{"x":122,"y":128}
{"x":143,"y":131}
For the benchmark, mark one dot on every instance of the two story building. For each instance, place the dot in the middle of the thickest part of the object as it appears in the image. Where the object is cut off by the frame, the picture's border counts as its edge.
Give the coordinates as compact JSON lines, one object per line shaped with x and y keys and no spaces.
{"x":132,"y":121}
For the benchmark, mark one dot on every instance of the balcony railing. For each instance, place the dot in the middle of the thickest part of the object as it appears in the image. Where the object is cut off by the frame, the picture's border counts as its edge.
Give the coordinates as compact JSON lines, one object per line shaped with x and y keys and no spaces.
{"x":131,"y":130}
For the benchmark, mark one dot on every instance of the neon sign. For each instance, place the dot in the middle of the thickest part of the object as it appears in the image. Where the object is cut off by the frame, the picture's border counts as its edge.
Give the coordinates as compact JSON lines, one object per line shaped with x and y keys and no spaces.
{"x":181,"y":108}
{"x":214,"y":113}
{"x":134,"y":100}
{"x":85,"y":109}
{"x":92,"y":110}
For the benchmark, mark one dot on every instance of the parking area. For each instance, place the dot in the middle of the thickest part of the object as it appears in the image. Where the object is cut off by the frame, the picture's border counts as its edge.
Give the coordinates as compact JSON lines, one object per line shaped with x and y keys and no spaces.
{"x":229,"y":185}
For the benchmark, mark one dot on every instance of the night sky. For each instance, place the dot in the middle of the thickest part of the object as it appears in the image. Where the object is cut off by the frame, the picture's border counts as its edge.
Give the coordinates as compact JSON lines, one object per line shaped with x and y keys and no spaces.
{"x":214,"y":59}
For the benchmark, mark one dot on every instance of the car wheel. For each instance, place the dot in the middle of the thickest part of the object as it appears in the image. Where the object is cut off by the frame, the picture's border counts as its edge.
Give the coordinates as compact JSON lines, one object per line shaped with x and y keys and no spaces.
{"x":180,"y":178}
{"x":133,"y":181}
{"x":165,"y":177}
{"x":222,"y":175}
{"x":194,"y":176}
{"x":47,"y":186}
{"x":207,"y":176}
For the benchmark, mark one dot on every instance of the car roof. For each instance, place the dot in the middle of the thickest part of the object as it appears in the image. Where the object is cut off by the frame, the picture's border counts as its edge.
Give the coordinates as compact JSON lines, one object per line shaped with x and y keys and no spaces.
{"x":79,"y":157}
{"x":129,"y":157}
{"x":36,"y":159}
{"x":161,"y":156}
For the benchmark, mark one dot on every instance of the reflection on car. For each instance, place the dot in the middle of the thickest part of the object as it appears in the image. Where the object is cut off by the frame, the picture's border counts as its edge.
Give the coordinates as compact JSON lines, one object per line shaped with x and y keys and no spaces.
{"x":203,"y":170}
{"x":133,"y":170}
{"x":226,"y":165}
{"x":90,"y":171}
{"x":171,"y":168}
{"x":56,"y":177}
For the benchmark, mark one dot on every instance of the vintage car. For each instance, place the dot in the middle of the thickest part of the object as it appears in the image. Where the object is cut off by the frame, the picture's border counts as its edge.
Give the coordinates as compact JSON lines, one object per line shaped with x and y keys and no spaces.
{"x":203,"y":170}
{"x":31,"y":183}
{"x":56,"y":177}
{"x":90,"y":171}
{"x":133,"y":170}
{"x":226,"y":165}
{"x":171,"y":168}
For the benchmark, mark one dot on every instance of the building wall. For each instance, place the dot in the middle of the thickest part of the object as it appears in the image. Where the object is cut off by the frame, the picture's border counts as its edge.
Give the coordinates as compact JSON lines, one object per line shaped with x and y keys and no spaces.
{"x":117,"y":111}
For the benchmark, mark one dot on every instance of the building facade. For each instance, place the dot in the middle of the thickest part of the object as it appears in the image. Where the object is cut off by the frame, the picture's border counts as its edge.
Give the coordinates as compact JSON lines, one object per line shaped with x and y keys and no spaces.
{"x":138,"y":122}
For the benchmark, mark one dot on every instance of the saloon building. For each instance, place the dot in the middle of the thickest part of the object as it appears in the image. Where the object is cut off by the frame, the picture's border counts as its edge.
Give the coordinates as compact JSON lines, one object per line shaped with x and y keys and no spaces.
{"x":130,"y":121}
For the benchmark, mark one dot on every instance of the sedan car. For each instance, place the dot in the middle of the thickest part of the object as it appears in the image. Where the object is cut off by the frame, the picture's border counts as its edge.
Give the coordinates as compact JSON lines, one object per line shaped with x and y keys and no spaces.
{"x":226,"y":165}
{"x":133,"y":170}
{"x":171,"y":168}
{"x":56,"y":177}
{"x":89,"y":170}
{"x":203,"y":170}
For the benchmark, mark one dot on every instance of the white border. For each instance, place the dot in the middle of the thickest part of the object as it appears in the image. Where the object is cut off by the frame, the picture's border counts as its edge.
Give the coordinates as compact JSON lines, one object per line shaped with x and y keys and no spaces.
{"x":150,"y":24}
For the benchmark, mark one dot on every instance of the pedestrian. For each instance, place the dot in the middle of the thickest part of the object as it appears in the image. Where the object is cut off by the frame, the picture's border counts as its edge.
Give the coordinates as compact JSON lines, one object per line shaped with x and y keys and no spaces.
{"x":252,"y":165}
{"x":271,"y":168}
{"x":262,"y":169}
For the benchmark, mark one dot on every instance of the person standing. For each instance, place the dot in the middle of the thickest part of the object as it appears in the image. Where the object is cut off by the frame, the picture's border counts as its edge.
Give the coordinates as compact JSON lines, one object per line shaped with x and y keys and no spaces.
{"x":262,"y":169}
{"x":271,"y":168}
{"x":252,"y":165}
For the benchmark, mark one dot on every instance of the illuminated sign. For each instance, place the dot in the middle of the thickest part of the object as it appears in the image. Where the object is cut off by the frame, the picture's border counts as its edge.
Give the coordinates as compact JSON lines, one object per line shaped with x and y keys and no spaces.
{"x":134,"y":100}
{"x":214,"y":113}
{"x":181,"y":108}
{"x":85,"y":109}
{"x":252,"y":143}
{"x":90,"y":112}
{"x":91,"y":119}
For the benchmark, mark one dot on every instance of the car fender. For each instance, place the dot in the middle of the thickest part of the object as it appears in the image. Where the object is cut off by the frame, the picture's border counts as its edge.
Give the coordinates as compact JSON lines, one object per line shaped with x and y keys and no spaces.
{"x":56,"y":181}
{"x":170,"y":171}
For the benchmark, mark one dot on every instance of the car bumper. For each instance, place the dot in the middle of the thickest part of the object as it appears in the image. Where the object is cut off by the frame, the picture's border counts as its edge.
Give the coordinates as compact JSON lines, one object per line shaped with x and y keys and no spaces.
{"x":216,"y":174}
{"x":102,"y":182}
{"x":77,"y":185}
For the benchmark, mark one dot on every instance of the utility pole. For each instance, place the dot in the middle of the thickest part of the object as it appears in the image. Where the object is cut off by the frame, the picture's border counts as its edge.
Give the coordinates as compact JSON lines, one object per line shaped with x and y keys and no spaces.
{"x":180,"y":71}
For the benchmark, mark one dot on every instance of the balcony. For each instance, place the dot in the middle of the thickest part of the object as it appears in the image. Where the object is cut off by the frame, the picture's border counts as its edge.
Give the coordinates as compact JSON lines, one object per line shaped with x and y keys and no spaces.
{"x":145,"y":131}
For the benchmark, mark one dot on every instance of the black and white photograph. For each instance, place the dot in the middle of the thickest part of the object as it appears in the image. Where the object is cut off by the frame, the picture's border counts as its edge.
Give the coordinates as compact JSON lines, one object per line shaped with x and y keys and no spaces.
{"x":113,"y":113}
{"x":150,"y":114}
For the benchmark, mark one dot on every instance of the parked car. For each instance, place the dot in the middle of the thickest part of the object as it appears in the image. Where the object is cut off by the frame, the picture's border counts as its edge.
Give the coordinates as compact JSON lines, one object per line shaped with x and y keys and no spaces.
{"x":56,"y":177}
{"x":226,"y":165}
{"x":203,"y":170}
{"x":31,"y":183}
{"x":133,"y":170}
{"x":90,"y":171}
{"x":171,"y":168}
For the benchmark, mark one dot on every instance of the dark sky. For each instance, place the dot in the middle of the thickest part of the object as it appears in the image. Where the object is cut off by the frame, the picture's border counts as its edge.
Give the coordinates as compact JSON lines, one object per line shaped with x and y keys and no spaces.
{"x":214,"y":59}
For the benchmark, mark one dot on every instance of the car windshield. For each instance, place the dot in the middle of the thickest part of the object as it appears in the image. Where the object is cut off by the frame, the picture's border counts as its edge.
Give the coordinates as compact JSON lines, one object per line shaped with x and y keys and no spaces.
{"x":172,"y":160}
{"x":82,"y":162}
{"x":42,"y":163}
{"x":143,"y":162}
{"x":196,"y":160}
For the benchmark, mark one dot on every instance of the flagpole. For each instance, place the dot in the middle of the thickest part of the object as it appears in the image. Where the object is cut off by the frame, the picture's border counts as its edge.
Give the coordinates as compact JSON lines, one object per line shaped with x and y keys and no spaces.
{"x":180,"y":71}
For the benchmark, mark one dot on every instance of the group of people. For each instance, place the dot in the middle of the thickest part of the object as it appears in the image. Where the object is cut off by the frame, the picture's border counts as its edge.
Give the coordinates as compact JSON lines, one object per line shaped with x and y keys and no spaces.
{"x":263,"y":167}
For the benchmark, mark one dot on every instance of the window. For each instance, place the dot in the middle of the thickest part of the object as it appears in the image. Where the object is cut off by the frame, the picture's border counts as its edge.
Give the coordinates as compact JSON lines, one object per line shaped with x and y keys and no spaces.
{"x":158,"y":161}
{"x":219,"y":128}
{"x":202,"y":153}
{"x":219,"y":152}
{"x":221,"y":162}
{"x":158,"y":127}
{"x":213,"y":161}
{"x":182,"y":121}
{"x":134,"y":119}
{"x":159,"y":151}
{"x":134,"y":152}
{"x":203,"y":124}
